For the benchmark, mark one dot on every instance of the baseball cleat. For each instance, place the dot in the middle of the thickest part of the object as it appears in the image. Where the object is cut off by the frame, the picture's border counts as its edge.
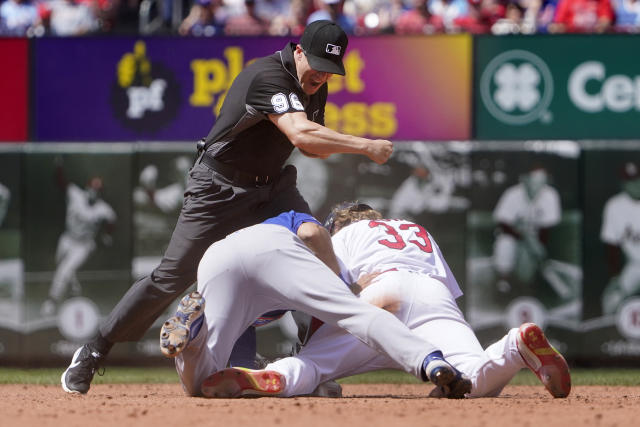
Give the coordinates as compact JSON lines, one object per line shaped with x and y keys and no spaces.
{"x":179,"y":330}
{"x":76,"y":379}
{"x":544,"y":360}
{"x":238,"y":382}
{"x":449,"y":382}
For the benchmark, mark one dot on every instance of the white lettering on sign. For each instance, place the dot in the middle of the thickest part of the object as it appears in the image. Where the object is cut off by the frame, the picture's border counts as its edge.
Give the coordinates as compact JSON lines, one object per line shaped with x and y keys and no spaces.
{"x":617,"y":93}
{"x":143,"y":98}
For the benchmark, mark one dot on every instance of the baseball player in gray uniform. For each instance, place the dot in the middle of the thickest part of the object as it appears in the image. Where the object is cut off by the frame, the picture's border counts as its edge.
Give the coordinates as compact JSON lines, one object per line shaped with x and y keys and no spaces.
{"x":267,"y":267}
{"x":412,"y":281}
{"x":274,"y":105}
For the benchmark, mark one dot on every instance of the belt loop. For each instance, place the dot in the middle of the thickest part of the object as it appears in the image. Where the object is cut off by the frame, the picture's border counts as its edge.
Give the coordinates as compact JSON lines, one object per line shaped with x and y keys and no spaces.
{"x":200,"y":146}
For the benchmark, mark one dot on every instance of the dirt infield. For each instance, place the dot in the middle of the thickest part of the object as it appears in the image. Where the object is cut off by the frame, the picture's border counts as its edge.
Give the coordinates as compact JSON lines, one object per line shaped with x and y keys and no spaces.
{"x":363,"y":405}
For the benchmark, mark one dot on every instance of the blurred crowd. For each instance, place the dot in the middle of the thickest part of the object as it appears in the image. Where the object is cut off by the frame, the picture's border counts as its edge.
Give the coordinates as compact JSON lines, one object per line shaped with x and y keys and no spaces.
{"x":289,"y":17}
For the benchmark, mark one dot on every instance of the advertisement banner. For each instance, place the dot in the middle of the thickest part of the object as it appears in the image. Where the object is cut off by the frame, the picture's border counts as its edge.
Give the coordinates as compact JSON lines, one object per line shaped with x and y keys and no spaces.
{"x":123,"y":89}
{"x":14,"y":81}
{"x":524,"y":261}
{"x":553,"y":87}
{"x":77,"y":247}
{"x":612,"y":249}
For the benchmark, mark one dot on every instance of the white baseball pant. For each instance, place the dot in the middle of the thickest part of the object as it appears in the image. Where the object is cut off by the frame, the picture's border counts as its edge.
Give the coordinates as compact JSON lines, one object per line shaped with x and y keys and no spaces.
{"x":70,"y":255}
{"x":426,"y":306}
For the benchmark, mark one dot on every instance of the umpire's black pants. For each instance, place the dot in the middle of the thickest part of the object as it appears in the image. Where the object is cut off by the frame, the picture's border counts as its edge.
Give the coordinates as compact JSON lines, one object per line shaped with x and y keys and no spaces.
{"x":213,"y":208}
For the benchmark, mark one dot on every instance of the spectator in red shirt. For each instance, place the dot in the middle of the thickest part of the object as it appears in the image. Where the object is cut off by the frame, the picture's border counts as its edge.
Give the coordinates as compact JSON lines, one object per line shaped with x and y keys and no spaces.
{"x":482,"y":14}
{"x":418,"y":20}
{"x":582,"y":16}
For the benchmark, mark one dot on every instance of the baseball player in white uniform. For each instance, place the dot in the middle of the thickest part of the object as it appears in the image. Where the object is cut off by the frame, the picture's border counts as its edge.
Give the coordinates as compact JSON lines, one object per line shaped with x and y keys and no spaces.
{"x":417,"y":286}
{"x":429,"y":188}
{"x":524,"y":213}
{"x":267,"y":267}
{"x":85,"y":215}
{"x":621,"y":232}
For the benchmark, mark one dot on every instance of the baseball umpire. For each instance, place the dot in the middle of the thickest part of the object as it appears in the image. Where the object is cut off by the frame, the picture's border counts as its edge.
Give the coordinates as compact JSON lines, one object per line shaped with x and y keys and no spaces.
{"x":274,"y":105}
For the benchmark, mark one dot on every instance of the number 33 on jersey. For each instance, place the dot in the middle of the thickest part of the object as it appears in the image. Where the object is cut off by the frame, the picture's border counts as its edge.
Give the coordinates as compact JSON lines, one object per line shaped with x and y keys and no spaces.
{"x":369,"y":246}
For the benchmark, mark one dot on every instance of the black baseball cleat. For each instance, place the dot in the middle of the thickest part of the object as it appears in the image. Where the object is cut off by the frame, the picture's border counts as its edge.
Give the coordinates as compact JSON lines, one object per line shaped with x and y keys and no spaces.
{"x":78,"y":376}
{"x":449,"y":382}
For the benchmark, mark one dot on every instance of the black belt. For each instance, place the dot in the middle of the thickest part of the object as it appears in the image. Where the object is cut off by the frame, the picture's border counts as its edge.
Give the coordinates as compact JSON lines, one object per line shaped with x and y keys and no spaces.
{"x":240,"y":178}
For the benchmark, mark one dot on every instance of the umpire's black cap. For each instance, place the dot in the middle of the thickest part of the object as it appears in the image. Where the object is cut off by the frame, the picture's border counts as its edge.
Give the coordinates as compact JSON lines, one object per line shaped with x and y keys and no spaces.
{"x":324,"y":44}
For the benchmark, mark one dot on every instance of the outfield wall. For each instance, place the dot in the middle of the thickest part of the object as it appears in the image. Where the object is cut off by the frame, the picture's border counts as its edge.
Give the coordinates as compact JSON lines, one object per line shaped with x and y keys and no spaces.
{"x":566,"y":283}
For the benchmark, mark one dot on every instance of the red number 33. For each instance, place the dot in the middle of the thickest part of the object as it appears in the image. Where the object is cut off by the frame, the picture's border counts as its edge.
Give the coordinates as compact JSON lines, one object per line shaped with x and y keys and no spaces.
{"x":421,"y":241}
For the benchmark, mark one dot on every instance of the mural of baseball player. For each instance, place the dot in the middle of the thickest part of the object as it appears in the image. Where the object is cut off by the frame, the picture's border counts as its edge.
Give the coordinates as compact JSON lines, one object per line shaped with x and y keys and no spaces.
{"x":5,"y":197}
{"x":87,"y":218}
{"x":169,"y":198}
{"x":157,"y":198}
{"x":525,"y":213}
{"x":620,"y":233}
{"x":430,"y":187}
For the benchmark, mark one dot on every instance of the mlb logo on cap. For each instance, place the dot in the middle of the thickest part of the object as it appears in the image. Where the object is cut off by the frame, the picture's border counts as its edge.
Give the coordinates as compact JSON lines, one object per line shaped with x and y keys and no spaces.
{"x":333,"y":49}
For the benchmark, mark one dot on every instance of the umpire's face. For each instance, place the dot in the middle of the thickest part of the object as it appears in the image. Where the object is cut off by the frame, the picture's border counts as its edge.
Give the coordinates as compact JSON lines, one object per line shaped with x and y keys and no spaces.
{"x":310,"y":79}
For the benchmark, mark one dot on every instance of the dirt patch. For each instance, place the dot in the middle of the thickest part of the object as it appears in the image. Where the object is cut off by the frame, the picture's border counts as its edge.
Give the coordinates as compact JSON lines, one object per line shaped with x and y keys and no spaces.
{"x":363,"y":405}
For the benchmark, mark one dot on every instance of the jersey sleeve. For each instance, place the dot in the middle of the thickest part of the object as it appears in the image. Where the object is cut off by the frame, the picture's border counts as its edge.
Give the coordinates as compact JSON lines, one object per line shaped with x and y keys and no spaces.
{"x":74,"y":193}
{"x":552,"y":212}
{"x":108,"y":214}
{"x":506,"y":209}
{"x":291,"y":220}
{"x":611,"y":231}
{"x":275,"y":93}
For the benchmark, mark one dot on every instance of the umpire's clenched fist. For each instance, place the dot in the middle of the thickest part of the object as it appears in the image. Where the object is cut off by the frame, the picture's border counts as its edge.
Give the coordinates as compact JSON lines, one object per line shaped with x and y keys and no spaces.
{"x":379,"y":150}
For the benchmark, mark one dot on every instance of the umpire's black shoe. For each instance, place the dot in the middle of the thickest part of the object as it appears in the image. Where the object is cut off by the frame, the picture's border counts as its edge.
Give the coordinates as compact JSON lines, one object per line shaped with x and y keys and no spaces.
{"x":77,"y":378}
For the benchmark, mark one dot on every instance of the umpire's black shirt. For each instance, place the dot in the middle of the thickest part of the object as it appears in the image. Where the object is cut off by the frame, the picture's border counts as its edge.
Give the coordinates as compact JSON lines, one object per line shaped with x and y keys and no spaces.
{"x":243,"y":136}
